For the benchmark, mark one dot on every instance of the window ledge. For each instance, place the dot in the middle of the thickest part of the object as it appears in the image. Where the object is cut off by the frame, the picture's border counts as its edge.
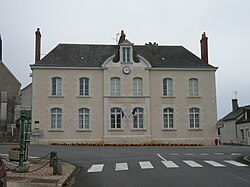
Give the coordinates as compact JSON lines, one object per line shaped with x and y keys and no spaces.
{"x":56,"y":96}
{"x":138,"y":129}
{"x":194,"y":97}
{"x":169,"y":129}
{"x":83,"y":130}
{"x":82,"y":96}
{"x":195,"y":129}
{"x":56,"y":130}
{"x":164,"y":96}
{"x":116,"y":129}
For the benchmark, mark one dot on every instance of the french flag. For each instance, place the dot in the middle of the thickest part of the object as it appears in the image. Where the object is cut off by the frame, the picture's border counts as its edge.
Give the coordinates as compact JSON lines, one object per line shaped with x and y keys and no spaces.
{"x":134,"y":114}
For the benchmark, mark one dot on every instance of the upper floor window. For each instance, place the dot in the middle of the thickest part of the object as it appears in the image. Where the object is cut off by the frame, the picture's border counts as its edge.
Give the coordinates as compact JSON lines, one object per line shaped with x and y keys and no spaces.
{"x":84,"y":86}
{"x":126,"y":54}
{"x":56,"y":86}
{"x":56,"y":118}
{"x":193,"y":87}
{"x":138,"y":118}
{"x":137,"y":86}
{"x":167,"y":87}
{"x":83,"y":118}
{"x":116,"y":118}
{"x":115,"y":86}
{"x":194,"y":118}
{"x":168,"y":118}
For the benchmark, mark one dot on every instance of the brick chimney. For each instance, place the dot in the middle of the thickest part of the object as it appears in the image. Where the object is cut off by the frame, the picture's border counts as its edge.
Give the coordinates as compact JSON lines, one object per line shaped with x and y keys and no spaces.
{"x":204,"y":49}
{"x":235,"y":104}
{"x":122,"y":37}
{"x":38,"y":46}
{"x":1,"y":52}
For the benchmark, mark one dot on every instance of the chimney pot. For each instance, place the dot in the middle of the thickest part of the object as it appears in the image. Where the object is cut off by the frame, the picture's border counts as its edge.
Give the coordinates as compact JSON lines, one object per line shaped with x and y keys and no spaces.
{"x":204,"y":47}
{"x":38,"y":46}
{"x":122,"y":37}
{"x":235,"y":104}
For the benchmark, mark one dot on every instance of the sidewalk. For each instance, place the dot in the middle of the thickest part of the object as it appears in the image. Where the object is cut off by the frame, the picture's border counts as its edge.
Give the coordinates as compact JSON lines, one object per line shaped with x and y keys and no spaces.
{"x":39,"y":177}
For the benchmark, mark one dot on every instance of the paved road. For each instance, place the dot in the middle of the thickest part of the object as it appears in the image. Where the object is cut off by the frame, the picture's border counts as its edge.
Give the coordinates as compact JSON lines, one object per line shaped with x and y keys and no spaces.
{"x":154,"y":166}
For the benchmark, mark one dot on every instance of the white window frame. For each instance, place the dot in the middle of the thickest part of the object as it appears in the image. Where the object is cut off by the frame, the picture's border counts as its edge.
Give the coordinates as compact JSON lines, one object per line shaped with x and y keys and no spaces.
{"x":56,"y":86}
{"x":137,"y":86}
{"x":194,"y":118}
{"x":138,"y":122}
{"x":126,"y":54}
{"x":56,"y":118}
{"x":83,"y":116}
{"x":242,"y":134}
{"x":193,"y":87}
{"x":115,"y":86}
{"x":167,"y":87}
{"x":168,"y":118}
{"x":84,"y":86}
{"x":115,"y":118}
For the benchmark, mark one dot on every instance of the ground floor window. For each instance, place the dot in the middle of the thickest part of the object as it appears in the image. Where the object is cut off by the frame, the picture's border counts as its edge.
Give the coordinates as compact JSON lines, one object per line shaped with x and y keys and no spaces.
{"x":137,"y":118}
{"x":168,"y":118}
{"x":116,"y":118}
{"x":194,"y":118}
{"x":56,"y":118}
{"x":83,"y":118}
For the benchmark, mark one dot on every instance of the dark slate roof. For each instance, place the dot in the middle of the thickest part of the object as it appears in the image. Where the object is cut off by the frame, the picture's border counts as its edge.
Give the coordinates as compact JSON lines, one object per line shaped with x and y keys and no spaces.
{"x":86,"y":55}
{"x":236,"y":113}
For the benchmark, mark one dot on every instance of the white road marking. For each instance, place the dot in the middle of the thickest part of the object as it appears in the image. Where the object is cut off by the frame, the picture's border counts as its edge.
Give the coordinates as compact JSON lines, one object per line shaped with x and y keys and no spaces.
{"x":96,"y":168}
{"x":146,"y":165}
{"x":161,"y":157}
{"x":189,"y":154}
{"x":204,"y":154}
{"x":235,"y":163}
{"x":121,"y":166}
{"x":169,"y":164}
{"x":213,"y":163}
{"x":219,"y":154}
{"x":192,"y":164}
{"x":236,"y":154}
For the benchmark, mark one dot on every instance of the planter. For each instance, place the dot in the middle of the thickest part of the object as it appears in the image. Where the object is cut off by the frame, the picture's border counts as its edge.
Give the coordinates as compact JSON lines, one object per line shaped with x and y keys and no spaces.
{"x":14,"y":155}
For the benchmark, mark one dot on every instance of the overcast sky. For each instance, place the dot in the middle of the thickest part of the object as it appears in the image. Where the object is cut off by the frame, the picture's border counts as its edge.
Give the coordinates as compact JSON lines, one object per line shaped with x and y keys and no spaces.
{"x":167,"y":22}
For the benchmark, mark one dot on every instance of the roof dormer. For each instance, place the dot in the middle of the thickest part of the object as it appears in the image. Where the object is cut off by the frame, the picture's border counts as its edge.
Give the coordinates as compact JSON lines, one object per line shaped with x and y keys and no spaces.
{"x":125,"y":53}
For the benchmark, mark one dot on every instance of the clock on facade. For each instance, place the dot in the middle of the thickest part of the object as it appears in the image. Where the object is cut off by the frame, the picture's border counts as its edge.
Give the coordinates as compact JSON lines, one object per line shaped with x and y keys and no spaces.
{"x":126,"y":70}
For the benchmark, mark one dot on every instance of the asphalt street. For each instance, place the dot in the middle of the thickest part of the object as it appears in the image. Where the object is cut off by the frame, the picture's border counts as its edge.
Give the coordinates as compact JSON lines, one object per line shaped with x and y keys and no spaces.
{"x":154,"y":166}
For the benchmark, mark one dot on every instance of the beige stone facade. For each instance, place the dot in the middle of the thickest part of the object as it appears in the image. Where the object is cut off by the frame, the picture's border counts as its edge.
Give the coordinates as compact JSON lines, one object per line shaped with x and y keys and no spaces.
{"x":123,"y":117}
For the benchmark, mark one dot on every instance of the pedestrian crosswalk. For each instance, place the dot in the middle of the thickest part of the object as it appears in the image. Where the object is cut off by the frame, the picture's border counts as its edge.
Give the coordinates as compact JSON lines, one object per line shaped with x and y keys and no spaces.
{"x":169,"y":164}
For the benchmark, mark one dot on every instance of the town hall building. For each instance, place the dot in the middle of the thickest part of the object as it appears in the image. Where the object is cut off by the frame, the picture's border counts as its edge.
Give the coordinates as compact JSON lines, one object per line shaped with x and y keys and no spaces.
{"x":124,"y":93}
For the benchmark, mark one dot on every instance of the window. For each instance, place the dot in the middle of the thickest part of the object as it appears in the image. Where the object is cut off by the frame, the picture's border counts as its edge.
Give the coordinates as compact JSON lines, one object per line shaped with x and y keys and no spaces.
{"x":168,"y":118}
{"x":242,"y":134}
{"x":167,"y":87}
{"x":126,"y":54}
{"x":116,"y":118}
{"x":138,"y":118}
{"x":194,"y":117}
{"x":56,"y":118}
{"x":115,"y":86}
{"x":193,"y":88}
{"x":56,"y":86}
{"x":83,"y":118}
{"x":137,"y":86}
{"x":84,"y":86}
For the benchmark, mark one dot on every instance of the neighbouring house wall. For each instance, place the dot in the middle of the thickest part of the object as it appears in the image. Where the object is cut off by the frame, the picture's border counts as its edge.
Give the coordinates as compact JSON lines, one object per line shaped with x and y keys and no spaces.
{"x":245,"y":138}
{"x":228,"y":132}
